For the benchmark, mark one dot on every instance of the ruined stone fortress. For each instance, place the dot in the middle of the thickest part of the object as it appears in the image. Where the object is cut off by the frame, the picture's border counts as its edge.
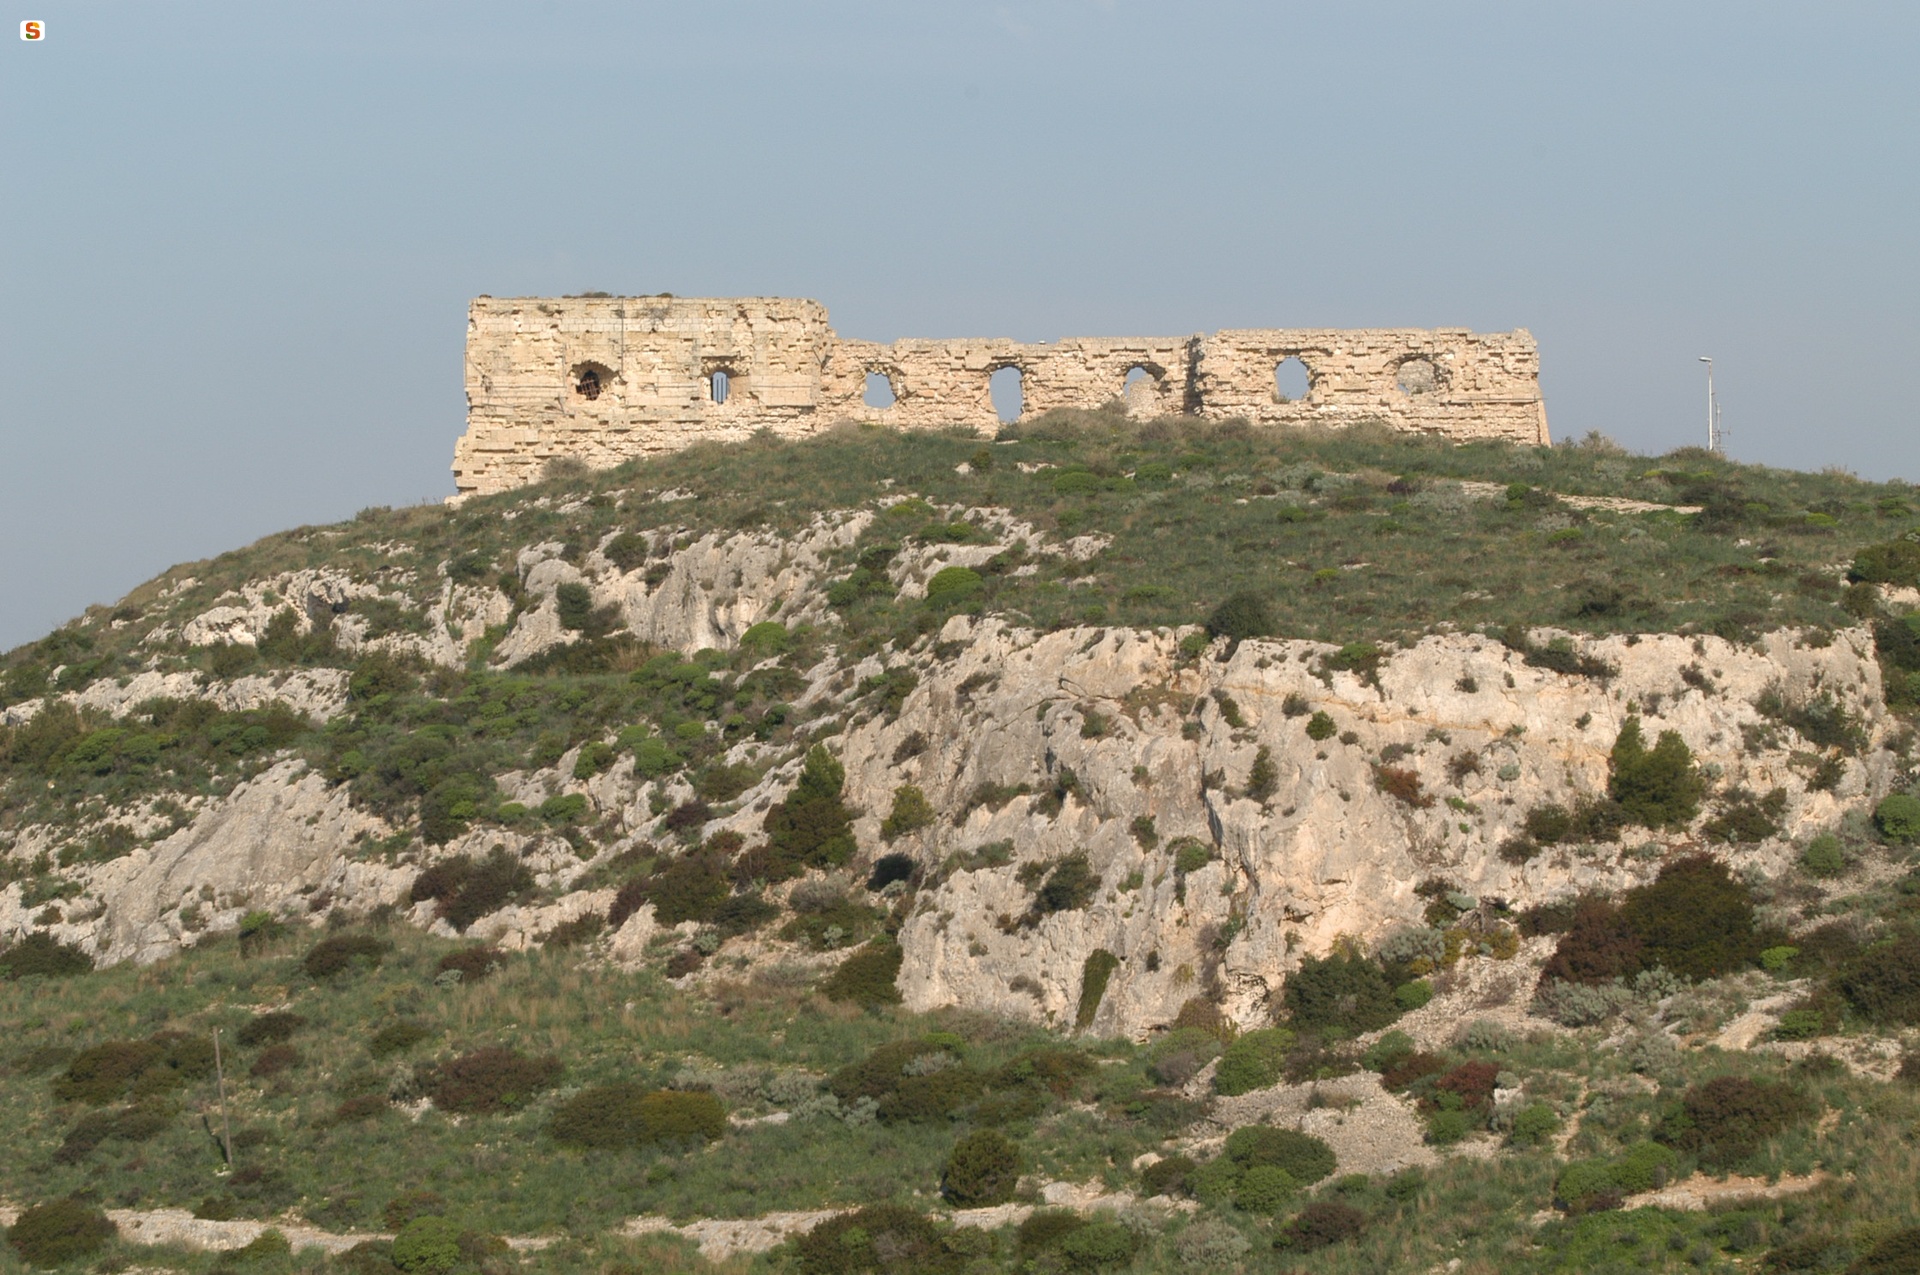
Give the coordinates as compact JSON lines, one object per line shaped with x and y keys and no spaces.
{"x":602,"y":379}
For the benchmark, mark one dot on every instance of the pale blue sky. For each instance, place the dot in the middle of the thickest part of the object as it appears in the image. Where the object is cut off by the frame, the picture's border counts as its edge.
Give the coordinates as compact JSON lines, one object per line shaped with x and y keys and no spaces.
{"x":240,"y":238}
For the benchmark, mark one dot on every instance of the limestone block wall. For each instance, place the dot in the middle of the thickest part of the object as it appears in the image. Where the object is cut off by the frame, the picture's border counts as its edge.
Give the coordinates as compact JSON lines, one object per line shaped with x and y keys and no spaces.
{"x":603,"y":379}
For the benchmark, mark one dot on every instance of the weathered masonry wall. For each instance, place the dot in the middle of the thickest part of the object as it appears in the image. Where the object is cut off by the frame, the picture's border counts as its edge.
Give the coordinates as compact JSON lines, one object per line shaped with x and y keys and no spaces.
{"x":602,"y":379}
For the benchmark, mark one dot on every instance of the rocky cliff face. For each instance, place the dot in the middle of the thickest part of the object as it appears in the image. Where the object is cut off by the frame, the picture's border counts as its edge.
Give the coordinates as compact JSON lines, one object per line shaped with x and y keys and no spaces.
{"x":1204,"y":815}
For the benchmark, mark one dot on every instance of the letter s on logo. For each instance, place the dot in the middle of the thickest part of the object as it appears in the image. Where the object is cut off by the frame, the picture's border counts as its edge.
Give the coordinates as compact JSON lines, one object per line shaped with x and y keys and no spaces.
{"x":33,"y":30}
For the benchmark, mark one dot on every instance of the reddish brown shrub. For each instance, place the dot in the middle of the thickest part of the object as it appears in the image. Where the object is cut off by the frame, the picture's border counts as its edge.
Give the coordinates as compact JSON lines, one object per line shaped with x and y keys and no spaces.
{"x":1402,"y":785}
{"x":1473,"y":1081}
{"x":488,"y":1081}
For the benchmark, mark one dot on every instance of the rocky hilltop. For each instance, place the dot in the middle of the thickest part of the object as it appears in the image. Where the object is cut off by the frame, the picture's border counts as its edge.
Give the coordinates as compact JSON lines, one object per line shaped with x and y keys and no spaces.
{"x":1065,"y":797}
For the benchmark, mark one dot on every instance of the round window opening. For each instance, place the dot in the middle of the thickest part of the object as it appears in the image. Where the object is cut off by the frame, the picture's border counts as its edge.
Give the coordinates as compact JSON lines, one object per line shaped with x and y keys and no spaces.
{"x":590,"y":380}
{"x":1417,"y":376}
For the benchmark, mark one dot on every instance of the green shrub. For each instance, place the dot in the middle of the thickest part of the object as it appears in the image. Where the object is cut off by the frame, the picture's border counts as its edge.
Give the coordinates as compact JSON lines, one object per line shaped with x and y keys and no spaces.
{"x":1070,"y":886}
{"x":1658,"y":788}
{"x":1320,"y":727}
{"x":1178,"y":1055}
{"x":867,"y":977}
{"x":340,"y":953}
{"x":1167,"y":1176}
{"x":1306,"y":1158}
{"x":910,"y":813}
{"x":1447,"y":1126}
{"x":1264,"y":1189}
{"x":488,"y":1081}
{"x":1694,"y":920}
{"x":1746,"y":819}
{"x":1882,"y":983}
{"x":1895,"y":1254}
{"x":470,"y":964}
{"x":1253,"y":1061}
{"x":1392,"y":1047}
{"x":1190,"y":854}
{"x":1824,"y":857}
{"x":881,"y":1239}
{"x":427,"y":1246}
{"x":40,"y":953}
{"x":951,"y":586}
{"x":1242,"y":615}
{"x":1725,"y":1120}
{"x":1263,"y":780}
{"x":396,"y":1038}
{"x":60,"y":1231}
{"x":114,"y":1069}
{"x":1344,"y":991}
{"x":812,"y":828}
{"x":982,"y":1169}
{"x":494,"y":882}
{"x":1099,"y":967}
{"x":629,"y":1114}
{"x":1321,"y":1224}
{"x":1413,"y":994}
{"x":1099,"y":1244}
{"x":1533,"y":1125}
{"x":1898,"y":818}
{"x":131,"y":1124}
{"x":1893,"y":562}
{"x":1213,"y":1183}
{"x":769,"y":637}
{"x":1588,"y":1186}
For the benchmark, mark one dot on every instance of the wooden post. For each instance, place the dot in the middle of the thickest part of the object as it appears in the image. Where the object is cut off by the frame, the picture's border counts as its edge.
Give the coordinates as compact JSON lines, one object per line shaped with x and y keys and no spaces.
{"x":220,"y":1078}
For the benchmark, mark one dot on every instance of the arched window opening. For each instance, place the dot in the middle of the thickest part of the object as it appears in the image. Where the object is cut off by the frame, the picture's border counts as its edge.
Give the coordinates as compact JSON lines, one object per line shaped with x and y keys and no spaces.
{"x":1417,"y":376}
{"x":879,"y":392}
{"x":1291,"y":380}
{"x":588,"y":386}
{"x":717,"y":386}
{"x":1008,"y":392}
{"x":1141,"y":390}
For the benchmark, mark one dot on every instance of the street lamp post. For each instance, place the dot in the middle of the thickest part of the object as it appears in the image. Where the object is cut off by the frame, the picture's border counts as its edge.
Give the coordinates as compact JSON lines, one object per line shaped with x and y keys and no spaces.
{"x":1713,"y":410}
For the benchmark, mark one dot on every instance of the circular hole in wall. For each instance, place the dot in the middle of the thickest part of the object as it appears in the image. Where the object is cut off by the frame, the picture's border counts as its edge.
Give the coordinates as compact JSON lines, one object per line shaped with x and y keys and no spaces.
{"x":1291,"y":380}
{"x":1008,"y":393}
{"x":1417,"y":376}
{"x":879,"y":392}
{"x":591,"y":380}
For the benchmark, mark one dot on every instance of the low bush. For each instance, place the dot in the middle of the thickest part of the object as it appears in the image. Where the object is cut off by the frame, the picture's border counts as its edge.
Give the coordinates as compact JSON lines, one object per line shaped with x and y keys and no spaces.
{"x":1099,"y":967}
{"x":273,"y":1060}
{"x":471,"y":964}
{"x":1306,"y":1158}
{"x":880,"y":1239}
{"x":130,"y":1124}
{"x":1167,"y":1176}
{"x":1253,"y":1061}
{"x":1824,"y":857}
{"x":1723,"y":1121}
{"x":1241,"y":616}
{"x":1745,"y":819}
{"x":936,"y":1096}
{"x":1588,"y":1186}
{"x":881,"y":1071}
{"x":629,"y":1114}
{"x":115,"y":1069}
{"x":982,"y":1169}
{"x":56,"y":1232}
{"x":1100,"y":1244}
{"x":1263,"y":1188}
{"x":488,"y":1081}
{"x":1694,"y":920}
{"x":39,"y":953}
{"x":396,"y":1038}
{"x":494,"y":882}
{"x":1070,"y":886}
{"x":867,"y":977}
{"x":342,"y":953}
{"x":1321,"y":1224}
{"x":911,"y":812}
{"x":812,"y":828}
{"x":270,"y":1028}
{"x":1658,"y":787}
{"x":1471,"y":1084}
{"x":1533,"y":1125}
{"x":1882,"y":983}
{"x":1898,"y":818}
{"x":1211,"y":1244}
{"x":1895,"y":1254}
{"x":427,"y":1246}
{"x":1345,"y":992}
{"x":1320,"y":727}
{"x":1176,"y":1057}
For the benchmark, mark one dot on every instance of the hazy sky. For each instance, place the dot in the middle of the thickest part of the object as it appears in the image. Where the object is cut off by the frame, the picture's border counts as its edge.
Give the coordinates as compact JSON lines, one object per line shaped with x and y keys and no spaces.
{"x":240,"y":239}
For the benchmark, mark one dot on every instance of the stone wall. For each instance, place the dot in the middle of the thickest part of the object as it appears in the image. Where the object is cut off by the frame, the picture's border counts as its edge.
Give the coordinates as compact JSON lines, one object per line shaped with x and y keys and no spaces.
{"x":602,"y":379}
